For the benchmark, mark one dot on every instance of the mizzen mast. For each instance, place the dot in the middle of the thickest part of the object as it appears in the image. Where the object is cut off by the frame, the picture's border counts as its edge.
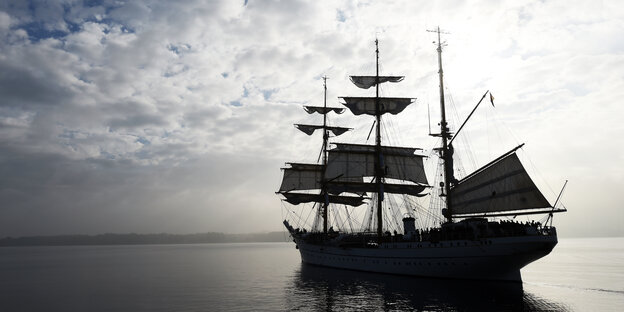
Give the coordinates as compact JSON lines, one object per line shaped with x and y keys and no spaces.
{"x":446,"y":153}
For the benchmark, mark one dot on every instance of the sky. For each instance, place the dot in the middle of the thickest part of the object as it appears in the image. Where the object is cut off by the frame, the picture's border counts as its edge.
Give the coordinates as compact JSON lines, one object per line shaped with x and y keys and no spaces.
{"x":175,"y":116}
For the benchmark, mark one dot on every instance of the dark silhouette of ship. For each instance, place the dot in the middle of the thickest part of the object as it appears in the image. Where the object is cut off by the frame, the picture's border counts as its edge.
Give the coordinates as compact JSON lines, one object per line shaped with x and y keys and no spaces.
{"x":473,"y":242}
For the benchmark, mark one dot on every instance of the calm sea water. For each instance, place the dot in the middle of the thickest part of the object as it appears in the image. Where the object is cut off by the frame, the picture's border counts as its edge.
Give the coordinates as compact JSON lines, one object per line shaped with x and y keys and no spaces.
{"x":580,"y":275}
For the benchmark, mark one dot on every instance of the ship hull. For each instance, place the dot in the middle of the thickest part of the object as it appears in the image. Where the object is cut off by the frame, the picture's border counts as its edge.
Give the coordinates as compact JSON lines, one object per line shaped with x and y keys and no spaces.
{"x":499,"y":258}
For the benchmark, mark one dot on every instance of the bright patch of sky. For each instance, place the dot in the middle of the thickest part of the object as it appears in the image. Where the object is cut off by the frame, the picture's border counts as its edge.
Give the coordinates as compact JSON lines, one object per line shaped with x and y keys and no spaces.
{"x":167,"y":116}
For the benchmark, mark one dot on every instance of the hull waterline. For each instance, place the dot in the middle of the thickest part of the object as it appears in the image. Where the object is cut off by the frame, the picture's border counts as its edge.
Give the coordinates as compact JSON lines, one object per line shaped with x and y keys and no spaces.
{"x":497,"y":259}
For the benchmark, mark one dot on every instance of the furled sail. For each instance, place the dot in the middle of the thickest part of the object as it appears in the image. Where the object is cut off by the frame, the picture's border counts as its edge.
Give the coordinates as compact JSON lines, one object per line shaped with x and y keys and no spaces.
{"x":503,"y":185}
{"x":339,"y":186}
{"x":323,"y":110}
{"x":301,"y":177}
{"x":366,"y":105}
{"x":348,"y":161}
{"x":309,"y":129}
{"x":366,"y":82}
{"x":298,"y":198}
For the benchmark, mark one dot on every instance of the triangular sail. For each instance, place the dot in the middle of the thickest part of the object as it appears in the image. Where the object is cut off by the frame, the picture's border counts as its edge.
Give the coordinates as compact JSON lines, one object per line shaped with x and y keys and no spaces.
{"x":367,"y":105}
{"x":365,"y":82}
{"x":501,"y":186}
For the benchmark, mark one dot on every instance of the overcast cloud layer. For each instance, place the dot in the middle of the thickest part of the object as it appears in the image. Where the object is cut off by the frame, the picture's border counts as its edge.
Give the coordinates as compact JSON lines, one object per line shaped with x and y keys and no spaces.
{"x":175,"y":116}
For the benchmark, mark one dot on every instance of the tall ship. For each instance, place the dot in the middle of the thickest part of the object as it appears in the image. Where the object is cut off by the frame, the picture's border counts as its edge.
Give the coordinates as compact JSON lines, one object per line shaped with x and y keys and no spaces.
{"x":477,"y":235}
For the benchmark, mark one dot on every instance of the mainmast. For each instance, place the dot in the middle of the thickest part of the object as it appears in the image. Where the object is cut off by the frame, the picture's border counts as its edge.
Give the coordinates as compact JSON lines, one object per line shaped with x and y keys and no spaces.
{"x":325,"y":139}
{"x":378,"y":165}
{"x":446,"y":152}
{"x":350,"y":165}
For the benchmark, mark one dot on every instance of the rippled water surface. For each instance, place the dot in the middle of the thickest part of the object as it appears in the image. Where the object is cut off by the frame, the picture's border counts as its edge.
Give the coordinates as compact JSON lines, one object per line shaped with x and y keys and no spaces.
{"x":580,"y":275}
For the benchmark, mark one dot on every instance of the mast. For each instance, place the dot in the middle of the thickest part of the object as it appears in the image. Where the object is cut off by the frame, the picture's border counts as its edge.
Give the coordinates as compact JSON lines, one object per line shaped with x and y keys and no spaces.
{"x":378,"y":165}
{"x":348,"y":173}
{"x":306,"y":177}
{"x":325,"y":139}
{"x":446,"y":153}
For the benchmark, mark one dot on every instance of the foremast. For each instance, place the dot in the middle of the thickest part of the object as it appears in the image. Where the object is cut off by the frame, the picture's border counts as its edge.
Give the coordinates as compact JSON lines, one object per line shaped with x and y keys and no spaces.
{"x":299,"y":179}
{"x":379,"y":175}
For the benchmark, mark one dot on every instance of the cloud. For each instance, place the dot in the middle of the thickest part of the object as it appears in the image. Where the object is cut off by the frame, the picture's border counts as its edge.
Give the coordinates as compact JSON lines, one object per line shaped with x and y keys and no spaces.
{"x":155,"y":116}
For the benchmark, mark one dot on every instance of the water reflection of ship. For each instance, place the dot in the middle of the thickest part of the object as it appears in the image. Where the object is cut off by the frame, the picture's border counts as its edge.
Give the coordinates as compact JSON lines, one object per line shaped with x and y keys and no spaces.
{"x":318,"y":288}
